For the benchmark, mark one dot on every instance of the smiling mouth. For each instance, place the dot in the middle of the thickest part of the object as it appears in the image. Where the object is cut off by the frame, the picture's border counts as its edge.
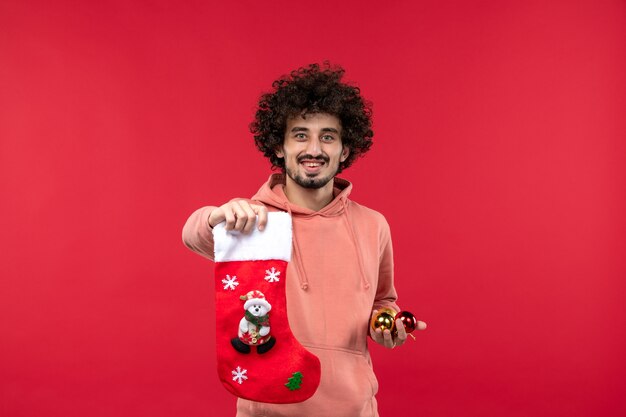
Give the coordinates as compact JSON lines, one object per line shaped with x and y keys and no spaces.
{"x":312,"y":167}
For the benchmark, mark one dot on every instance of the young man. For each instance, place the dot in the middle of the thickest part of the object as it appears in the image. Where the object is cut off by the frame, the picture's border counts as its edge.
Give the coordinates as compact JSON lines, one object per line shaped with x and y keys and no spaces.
{"x":312,"y":126}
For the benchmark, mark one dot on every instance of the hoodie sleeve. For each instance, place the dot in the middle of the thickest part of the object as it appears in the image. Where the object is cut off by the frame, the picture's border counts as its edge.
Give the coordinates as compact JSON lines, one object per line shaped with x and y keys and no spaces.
{"x":197,"y":234}
{"x":386,"y":295}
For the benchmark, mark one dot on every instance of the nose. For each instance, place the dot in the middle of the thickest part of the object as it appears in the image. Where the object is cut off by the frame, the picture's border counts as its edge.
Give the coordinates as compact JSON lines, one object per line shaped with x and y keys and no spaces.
{"x":313,"y":146}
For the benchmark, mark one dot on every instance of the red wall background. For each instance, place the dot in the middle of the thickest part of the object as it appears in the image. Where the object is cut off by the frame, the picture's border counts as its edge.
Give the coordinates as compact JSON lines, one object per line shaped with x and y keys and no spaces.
{"x":499,"y":163}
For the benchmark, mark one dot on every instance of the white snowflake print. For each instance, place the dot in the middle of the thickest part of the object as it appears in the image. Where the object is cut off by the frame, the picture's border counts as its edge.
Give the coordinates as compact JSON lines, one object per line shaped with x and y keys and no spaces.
{"x":272,"y":275}
{"x":239,"y":375}
{"x":230,"y":283}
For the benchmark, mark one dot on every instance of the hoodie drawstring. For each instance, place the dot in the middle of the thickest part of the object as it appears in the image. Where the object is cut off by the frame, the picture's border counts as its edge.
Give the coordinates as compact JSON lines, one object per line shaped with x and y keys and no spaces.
{"x":304,"y":281}
{"x":364,"y":280}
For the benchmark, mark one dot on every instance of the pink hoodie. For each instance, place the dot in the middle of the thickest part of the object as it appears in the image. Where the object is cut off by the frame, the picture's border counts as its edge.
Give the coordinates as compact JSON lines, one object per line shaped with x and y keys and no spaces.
{"x":341,"y":269}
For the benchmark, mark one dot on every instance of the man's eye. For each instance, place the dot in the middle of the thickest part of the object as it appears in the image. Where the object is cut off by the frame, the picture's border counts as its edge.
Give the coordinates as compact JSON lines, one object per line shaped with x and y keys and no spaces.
{"x":328,"y":138}
{"x":300,"y":136}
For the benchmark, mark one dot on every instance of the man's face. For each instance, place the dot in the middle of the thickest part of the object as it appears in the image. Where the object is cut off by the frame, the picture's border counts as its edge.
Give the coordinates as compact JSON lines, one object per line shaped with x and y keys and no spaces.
{"x":312,"y":149}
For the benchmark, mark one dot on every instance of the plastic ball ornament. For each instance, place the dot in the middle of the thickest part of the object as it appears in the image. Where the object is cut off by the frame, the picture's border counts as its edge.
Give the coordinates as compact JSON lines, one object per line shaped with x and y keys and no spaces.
{"x":408,"y":320}
{"x":384,"y":319}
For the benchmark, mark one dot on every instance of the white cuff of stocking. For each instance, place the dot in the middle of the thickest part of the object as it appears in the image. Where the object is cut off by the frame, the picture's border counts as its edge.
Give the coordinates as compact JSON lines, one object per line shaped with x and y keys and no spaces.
{"x":274,"y":242}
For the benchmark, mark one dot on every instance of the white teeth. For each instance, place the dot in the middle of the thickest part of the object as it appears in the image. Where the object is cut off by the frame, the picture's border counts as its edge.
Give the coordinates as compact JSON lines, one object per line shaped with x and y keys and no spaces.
{"x":312,"y":164}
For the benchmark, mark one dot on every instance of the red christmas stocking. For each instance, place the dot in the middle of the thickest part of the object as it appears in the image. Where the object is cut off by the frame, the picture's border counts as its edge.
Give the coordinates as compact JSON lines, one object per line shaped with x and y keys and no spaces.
{"x":258,"y":357}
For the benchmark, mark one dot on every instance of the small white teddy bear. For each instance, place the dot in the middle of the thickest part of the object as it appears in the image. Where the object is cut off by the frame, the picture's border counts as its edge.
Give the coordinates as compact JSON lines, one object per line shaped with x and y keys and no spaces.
{"x":254,"y":327}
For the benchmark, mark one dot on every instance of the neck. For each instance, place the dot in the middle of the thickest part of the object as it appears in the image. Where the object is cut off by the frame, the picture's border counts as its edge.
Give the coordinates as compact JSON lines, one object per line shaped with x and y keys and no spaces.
{"x":312,"y":198}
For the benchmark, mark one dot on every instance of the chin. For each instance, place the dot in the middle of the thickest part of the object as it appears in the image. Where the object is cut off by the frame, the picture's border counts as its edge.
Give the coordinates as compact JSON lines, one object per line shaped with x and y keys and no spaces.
{"x":311,"y":183}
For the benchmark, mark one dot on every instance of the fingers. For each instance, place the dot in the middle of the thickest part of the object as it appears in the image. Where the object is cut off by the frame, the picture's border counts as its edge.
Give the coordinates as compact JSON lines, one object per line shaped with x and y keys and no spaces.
{"x":421,"y":325}
{"x":240,"y":216}
{"x":216,"y":217}
{"x":250,"y":216}
{"x":229,"y":216}
{"x":261,"y":211}
{"x":388,"y":341}
{"x":377,"y":336}
{"x":383,"y":338}
{"x":401,"y":337}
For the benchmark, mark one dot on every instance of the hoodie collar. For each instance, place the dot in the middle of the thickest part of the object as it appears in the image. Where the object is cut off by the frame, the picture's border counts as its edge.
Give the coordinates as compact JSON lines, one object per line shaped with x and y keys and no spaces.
{"x":272,"y":193}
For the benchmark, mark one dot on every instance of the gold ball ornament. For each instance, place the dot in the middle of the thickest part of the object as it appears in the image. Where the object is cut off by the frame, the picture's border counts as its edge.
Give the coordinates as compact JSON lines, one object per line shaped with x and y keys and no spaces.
{"x":384,"y":319}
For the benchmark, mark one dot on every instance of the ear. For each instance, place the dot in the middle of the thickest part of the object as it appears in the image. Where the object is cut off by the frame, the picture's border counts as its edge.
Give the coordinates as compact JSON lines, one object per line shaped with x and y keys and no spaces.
{"x":345,"y":152}
{"x":279,"y":152}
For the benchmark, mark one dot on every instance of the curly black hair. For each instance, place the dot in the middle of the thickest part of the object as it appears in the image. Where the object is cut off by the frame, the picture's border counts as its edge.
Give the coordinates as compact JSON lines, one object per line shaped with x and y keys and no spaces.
{"x":310,"y":90}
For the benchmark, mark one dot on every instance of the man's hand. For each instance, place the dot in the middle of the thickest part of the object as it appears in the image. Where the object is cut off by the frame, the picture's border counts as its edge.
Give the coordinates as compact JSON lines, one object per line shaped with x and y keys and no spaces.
{"x":386,"y":339}
{"x":239,"y":215}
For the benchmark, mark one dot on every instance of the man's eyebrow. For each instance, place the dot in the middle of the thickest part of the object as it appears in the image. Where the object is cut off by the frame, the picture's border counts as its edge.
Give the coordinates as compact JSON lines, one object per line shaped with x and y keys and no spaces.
{"x":306,"y":129}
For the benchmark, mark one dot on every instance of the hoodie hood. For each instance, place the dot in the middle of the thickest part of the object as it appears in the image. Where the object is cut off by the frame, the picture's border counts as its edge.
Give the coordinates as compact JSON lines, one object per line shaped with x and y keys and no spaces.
{"x":272,"y":194}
